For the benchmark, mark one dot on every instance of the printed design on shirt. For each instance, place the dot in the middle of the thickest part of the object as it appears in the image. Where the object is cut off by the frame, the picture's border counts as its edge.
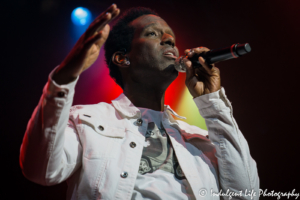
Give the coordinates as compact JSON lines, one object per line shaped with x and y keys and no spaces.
{"x":145,"y":165}
{"x":178,"y":171}
{"x":158,"y":153}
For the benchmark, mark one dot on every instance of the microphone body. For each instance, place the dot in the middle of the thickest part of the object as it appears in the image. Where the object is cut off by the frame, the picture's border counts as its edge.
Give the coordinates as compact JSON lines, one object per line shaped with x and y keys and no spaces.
{"x":215,"y":55}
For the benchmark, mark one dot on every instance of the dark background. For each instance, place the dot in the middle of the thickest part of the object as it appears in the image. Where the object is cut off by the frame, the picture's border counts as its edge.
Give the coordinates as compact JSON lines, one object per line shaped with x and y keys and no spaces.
{"x":263,"y":86}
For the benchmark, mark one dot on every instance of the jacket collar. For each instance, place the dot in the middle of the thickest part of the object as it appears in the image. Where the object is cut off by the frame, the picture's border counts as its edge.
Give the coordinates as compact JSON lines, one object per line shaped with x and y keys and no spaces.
{"x":126,"y":108}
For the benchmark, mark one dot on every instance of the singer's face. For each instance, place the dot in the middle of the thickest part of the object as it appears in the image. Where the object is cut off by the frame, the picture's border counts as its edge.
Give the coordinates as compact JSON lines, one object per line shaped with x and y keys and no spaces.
{"x":153,"y":51}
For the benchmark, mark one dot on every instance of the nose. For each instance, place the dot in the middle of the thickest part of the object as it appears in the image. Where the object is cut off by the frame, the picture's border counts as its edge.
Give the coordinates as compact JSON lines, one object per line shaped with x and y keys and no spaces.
{"x":168,"y":40}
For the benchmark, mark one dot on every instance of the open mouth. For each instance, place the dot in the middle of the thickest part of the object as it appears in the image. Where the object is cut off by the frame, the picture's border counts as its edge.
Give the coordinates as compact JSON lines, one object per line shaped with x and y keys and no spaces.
{"x":170,"y":54}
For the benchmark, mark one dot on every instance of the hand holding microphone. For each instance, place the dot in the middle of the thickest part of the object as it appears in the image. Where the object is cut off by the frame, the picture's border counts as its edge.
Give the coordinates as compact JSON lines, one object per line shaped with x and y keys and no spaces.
{"x":215,"y":55}
{"x":202,"y":77}
{"x":202,"y":80}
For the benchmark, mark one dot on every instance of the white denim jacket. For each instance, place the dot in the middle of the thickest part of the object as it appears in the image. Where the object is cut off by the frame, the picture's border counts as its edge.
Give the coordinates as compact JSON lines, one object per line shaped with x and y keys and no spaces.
{"x":97,"y":148}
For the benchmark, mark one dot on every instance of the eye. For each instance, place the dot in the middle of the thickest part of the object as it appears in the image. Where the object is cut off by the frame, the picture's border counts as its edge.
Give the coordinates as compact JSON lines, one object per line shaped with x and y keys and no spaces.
{"x":151,"y":34}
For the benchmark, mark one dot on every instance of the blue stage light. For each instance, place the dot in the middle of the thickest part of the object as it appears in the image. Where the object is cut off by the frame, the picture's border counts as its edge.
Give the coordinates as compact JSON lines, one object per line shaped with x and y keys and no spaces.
{"x":81,"y":16}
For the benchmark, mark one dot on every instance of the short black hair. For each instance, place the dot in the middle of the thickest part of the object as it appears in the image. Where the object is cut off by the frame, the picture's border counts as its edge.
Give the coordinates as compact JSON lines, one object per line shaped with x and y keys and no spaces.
{"x":120,"y":37}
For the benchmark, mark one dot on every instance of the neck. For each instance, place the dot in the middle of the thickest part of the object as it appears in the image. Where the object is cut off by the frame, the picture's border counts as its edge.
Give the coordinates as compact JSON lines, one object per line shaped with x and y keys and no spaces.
{"x":145,"y":96}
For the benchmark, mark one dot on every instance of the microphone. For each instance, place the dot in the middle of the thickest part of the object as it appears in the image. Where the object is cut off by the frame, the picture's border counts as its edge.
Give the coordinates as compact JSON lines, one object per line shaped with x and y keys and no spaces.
{"x":215,"y":55}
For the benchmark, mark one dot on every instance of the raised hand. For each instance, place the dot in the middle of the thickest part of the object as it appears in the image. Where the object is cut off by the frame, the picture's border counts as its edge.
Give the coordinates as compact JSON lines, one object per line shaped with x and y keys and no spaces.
{"x":87,"y":48}
{"x":203,"y":80}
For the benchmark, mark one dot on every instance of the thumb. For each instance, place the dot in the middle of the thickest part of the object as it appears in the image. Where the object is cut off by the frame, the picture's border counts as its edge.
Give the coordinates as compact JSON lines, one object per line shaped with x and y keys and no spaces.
{"x":104,"y":35}
{"x":191,"y":80}
{"x":189,"y":69}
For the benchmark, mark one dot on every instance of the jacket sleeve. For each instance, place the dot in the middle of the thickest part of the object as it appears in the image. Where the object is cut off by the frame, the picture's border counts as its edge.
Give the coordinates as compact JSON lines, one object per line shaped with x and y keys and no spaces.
{"x":51,"y":149}
{"x":237,"y":169}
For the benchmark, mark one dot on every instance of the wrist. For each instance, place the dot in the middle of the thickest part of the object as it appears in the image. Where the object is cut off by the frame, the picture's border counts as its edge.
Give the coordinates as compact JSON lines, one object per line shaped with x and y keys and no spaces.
{"x":62,"y":78}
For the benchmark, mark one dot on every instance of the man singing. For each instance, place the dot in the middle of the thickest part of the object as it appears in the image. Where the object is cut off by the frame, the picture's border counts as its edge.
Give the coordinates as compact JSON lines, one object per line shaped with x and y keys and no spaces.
{"x":133,"y":148}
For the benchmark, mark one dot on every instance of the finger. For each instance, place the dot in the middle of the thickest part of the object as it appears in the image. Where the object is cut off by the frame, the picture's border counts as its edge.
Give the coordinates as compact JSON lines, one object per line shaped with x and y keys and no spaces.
{"x":208,"y":68}
{"x":200,"y":49}
{"x":97,"y":25}
{"x":215,"y":71}
{"x":112,"y":17}
{"x":187,"y":51}
{"x":104,"y":35}
{"x":202,"y":74}
{"x":103,"y":19}
{"x":191,"y":80}
{"x":110,"y":9}
{"x":115,"y":13}
{"x":190,"y":71}
{"x":91,"y":41}
{"x":197,"y":51}
{"x":101,"y":23}
{"x":201,"y":71}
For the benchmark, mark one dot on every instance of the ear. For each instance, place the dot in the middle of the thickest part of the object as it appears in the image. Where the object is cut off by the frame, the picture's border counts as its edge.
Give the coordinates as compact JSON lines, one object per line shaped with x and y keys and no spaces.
{"x":119,"y":59}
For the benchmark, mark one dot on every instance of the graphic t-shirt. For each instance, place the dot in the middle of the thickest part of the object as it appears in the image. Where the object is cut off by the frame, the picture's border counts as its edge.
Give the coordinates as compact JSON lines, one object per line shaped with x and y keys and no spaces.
{"x":160,"y":175}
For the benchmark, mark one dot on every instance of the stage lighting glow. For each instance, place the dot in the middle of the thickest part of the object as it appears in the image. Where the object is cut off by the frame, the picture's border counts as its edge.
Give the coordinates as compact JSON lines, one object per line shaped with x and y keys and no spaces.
{"x":188,"y":108}
{"x":81,"y":16}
